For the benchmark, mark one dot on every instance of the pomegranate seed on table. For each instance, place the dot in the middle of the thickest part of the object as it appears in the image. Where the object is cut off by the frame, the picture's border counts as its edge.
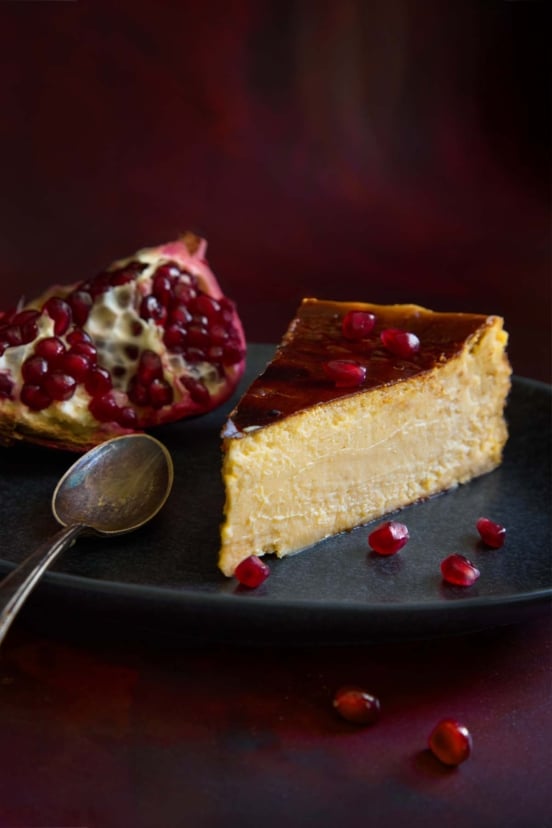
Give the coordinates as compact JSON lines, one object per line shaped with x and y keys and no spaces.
{"x":389,"y":538}
{"x":401,"y":343}
{"x":356,"y":705}
{"x":450,"y":742}
{"x":251,"y":572}
{"x":458,"y":570}
{"x":345,"y":373}
{"x":492,"y":534}
{"x":357,"y":324}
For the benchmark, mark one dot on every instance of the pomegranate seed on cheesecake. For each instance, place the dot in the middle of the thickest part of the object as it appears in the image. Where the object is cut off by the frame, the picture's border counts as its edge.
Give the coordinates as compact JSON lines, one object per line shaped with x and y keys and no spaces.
{"x":307,"y":455}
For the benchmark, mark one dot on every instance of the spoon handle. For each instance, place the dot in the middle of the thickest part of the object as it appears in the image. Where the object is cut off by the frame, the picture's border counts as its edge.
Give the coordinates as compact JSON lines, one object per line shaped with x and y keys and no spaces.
{"x":16,"y":586}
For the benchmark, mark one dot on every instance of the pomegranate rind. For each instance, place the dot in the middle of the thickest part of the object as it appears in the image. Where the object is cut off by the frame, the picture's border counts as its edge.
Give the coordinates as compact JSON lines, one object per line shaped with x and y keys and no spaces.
{"x":69,"y":425}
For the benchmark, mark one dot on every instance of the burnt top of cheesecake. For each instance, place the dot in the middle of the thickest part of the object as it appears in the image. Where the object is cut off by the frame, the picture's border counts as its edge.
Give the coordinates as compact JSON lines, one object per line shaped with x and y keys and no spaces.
{"x":295,"y":378}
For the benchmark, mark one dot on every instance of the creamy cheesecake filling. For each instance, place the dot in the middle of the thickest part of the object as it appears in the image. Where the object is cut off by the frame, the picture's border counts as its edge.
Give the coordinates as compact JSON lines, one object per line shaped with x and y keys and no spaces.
{"x":329,"y":467}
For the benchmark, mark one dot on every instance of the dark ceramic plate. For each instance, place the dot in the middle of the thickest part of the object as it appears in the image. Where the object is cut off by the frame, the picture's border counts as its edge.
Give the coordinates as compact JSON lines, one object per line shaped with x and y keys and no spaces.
{"x":164,"y":580}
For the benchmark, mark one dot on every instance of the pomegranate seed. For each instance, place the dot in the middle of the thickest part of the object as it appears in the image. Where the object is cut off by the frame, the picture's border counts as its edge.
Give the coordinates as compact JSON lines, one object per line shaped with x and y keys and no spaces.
{"x":183,"y":293}
{"x":356,"y":705}
{"x":77,"y":335}
{"x":122,"y":277}
{"x":401,"y":343}
{"x":218,"y":335}
{"x":104,"y":408}
{"x":358,"y":324}
{"x":492,"y":534}
{"x":13,"y":335}
{"x":98,"y":285}
{"x":180,"y":315}
{"x":137,"y":393}
{"x":251,"y":572}
{"x":150,"y":367}
{"x":160,"y":393}
{"x":80,"y":301}
{"x":59,"y":386}
{"x":34,"y":369}
{"x":61,"y":314}
{"x":458,"y":570}
{"x":162,"y":286}
{"x":169,"y":271}
{"x":389,"y":538}
{"x":34,"y":397}
{"x":98,"y":381}
{"x":175,"y":338}
{"x":195,"y":355}
{"x":345,"y":373}
{"x":27,"y":322}
{"x":75,"y":364}
{"x":6,"y":386}
{"x":450,"y":742}
{"x":196,"y":389}
{"x":197,"y":336}
{"x":151,"y":308}
{"x":127,"y":417}
{"x":86,"y":349}
{"x":206,"y":306}
{"x":50,"y":348}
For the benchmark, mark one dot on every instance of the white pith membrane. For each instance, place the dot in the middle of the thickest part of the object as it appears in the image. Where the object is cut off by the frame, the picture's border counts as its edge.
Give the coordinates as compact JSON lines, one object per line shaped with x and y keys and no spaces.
{"x":120,"y":336}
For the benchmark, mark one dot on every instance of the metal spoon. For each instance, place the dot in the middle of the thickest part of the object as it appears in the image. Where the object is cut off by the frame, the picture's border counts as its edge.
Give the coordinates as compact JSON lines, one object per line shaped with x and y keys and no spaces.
{"x":115,"y":488}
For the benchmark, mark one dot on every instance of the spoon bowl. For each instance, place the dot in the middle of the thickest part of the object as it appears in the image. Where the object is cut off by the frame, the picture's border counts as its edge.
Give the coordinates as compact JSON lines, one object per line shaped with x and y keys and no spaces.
{"x":114,"y":488}
{"x":117,"y":487}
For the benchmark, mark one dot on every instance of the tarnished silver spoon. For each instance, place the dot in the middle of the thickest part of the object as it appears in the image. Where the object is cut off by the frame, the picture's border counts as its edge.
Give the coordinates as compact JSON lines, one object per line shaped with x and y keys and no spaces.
{"x":114,"y":488}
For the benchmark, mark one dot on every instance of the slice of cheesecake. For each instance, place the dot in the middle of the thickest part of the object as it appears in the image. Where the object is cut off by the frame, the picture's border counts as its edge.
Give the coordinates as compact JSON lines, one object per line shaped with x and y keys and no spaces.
{"x":363,"y":410}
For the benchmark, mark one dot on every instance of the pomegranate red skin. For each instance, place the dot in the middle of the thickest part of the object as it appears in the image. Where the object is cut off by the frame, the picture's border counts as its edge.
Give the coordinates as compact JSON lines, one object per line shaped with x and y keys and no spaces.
{"x":450,"y":742}
{"x":68,"y":310}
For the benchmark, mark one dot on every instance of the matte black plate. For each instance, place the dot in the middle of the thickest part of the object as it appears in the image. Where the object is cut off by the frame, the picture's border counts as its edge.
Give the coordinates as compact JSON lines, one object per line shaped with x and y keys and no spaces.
{"x":164,"y":580}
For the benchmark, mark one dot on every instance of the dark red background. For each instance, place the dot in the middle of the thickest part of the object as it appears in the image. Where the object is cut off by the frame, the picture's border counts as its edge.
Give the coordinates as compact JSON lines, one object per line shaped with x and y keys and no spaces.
{"x":385,"y":151}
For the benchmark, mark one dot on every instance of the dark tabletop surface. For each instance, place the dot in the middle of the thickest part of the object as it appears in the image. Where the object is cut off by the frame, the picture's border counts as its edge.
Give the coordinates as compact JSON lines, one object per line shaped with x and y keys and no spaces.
{"x":385,"y":151}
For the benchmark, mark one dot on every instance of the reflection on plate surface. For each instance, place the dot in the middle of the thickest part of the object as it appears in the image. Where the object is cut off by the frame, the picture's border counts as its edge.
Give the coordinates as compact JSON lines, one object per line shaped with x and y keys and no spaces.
{"x":164,"y":579}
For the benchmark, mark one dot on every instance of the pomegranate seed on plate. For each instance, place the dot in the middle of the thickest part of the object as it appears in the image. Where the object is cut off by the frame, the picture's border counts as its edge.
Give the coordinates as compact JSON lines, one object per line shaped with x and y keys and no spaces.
{"x":401,"y":343}
{"x":251,"y":572}
{"x":357,"y":705}
{"x":492,"y":534}
{"x":450,"y":742}
{"x":345,"y":373}
{"x":458,"y":570}
{"x":389,"y":538}
{"x":357,"y":324}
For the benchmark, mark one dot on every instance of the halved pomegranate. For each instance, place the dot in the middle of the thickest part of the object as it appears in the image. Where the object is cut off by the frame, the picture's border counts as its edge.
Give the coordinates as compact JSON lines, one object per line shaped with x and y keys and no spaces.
{"x":150,"y":340}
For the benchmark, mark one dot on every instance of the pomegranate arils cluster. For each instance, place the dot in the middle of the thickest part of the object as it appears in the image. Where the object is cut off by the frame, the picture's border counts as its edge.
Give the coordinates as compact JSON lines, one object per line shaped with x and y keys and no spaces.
{"x":150,"y":340}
